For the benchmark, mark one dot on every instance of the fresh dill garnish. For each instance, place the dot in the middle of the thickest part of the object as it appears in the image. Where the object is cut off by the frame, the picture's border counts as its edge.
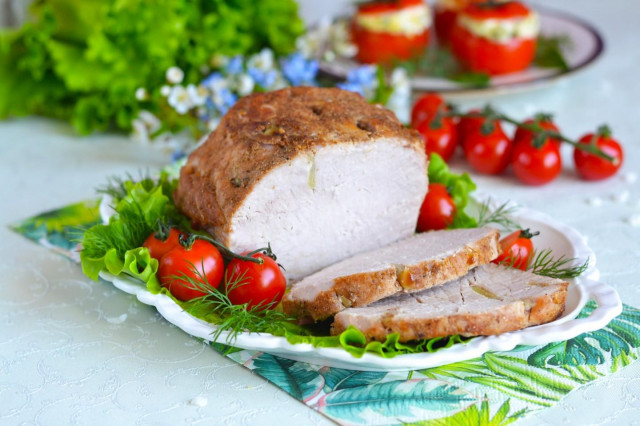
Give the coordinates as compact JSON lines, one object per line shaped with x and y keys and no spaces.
{"x":116,"y":186}
{"x":500,"y":216}
{"x":543,"y":263}
{"x":234,"y":319}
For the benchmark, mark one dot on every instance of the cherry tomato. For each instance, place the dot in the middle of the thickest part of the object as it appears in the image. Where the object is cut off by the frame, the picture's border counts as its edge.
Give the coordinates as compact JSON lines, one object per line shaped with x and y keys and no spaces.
{"x":260,"y":285}
{"x":160,"y":243}
{"x":535,"y":166}
{"x":438,"y":131}
{"x":481,"y":54}
{"x":386,"y":46}
{"x":592,"y":167}
{"x":489,"y":154}
{"x":438,"y":209}
{"x":469,"y":124}
{"x":516,"y":249}
{"x":181,"y":261}
{"x":426,"y":107}
{"x":543,"y":120}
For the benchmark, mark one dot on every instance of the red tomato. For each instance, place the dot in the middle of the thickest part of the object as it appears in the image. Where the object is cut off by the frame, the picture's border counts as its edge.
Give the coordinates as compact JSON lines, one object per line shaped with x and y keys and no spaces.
{"x":443,"y":20}
{"x":591,"y":167}
{"x":260,"y":285}
{"x":439,"y":136}
{"x":535,"y":166}
{"x":481,"y":54}
{"x":468,"y":125}
{"x":543,"y":120}
{"x":489,"y":154}
{"x":181,"y":261}
{"x":426,"y":107}
{"x":382,"y":46}
{"x":158,"y":244}
{"x":438,"y":132}
{"x":516,"y":249}
{"x":438,"y":209}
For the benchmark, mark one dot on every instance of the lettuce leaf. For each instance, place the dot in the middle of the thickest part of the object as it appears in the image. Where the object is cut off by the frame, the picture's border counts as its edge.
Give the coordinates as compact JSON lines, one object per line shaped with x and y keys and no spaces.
{"x":116,"y":246}
{"x":354,"y":341}
{"x":458,"y":185}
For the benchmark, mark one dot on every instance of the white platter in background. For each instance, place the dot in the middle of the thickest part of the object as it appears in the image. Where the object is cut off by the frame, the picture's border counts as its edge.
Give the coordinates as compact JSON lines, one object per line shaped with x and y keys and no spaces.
{"x":585,"y":45}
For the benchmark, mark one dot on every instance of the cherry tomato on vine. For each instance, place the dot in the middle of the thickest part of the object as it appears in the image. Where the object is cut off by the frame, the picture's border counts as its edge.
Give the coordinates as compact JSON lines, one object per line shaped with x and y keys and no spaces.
{"x":535,"y":166}
{"x":543,"y":120}
{"x":488,"y":153}
{"x":469,"y":124}
{"x":516,"y":249}
{"x":438,"y":209}
{"x":258,"y":285}
{"x":438,"y":131}
{"x":176,"y":269}
{"x":426,"y":107}
{"x":161,"y":242}
{"x":592,"y":167}
{"x":439,"y":136}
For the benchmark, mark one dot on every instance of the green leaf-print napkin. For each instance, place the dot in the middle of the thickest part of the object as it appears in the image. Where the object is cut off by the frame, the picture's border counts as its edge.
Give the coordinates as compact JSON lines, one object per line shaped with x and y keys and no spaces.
{"x":495,"y":389}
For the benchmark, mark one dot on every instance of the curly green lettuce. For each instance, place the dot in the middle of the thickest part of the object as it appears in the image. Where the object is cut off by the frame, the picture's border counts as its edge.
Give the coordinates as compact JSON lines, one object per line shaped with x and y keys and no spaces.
{"x":459,"y":187}
{"x":82,"y":61}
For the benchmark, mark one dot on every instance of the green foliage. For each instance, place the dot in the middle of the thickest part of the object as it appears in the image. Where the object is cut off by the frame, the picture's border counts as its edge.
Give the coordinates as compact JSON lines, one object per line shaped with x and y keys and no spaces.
{"x":113,"y":247}
{"x":83,"y":60}
{"x":620,"y":337}
{"x":549,"y":52}
{"x":458,"y":186}
{"x":481,"y":417}
{"x":394,"y":400}
{"x":338,"y":378}
{"x":298,"y":379}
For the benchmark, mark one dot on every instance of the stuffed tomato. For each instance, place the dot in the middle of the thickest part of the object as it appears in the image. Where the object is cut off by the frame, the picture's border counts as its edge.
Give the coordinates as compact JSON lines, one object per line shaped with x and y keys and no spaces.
{"x":390,"y":30}
{"x":496,"y":38}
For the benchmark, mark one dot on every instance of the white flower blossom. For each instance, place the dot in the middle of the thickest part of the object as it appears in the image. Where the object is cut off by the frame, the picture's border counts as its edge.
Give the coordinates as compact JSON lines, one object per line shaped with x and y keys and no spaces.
{"x":328,"y":40}
{"x":152,"y":122}
{"x":400,"y":100}
{"x":175,"y":75}
{"x":180,"y":99}
{"x":165,"y":90}
{"x":263,"y":61}
{"x":140,"y":132}
{"x":244,"y":84}
{"x":198,"y":94}
{"x":142,"y":94}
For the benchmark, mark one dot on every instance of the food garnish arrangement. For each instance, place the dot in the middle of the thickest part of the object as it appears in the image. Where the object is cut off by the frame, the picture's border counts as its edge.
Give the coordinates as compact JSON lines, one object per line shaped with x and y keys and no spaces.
{"x":310,"y":214}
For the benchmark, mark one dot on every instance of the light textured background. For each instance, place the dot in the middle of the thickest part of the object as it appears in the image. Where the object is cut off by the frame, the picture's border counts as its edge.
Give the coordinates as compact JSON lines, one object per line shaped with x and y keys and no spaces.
{"x":76,"y":352}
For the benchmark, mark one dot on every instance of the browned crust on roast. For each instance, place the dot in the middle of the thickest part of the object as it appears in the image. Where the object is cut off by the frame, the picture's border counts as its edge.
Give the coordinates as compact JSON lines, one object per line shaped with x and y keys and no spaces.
{"x":265,"y":130}
{"x":510,"y":317}
{"x":371,"y":286}
{"x":367,"y":287}
{"x":438,"y":271}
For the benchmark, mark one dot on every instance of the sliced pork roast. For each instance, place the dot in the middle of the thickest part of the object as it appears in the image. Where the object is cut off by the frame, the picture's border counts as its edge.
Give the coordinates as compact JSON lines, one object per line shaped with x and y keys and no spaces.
{"x":491,"y":299}
{"x":319,"y":174}
{"x":413,"y":264}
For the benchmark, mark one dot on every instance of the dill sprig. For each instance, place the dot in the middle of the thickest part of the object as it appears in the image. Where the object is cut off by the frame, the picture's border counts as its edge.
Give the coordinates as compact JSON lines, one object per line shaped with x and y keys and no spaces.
{"x":116,"y":186}
{"x":500,"y":216}
{"x":543,"y":263}
{"x":234,"y":319}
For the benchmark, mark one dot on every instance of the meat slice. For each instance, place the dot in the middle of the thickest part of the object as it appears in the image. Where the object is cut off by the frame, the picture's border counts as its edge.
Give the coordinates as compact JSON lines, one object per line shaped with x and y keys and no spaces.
{"x":491,"y":299}
{"x":319,"y":174}
{"x":412,"y":264}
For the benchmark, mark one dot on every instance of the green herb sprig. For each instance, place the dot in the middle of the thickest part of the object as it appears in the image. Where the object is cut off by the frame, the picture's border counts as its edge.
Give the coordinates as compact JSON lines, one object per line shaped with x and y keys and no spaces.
{"x":542,"y":262}
{"x":234,"y":319}
{"x":500,"y":216}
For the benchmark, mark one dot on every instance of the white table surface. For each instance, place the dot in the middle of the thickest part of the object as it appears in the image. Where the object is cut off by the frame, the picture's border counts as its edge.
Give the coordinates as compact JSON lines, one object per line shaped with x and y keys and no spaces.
{"x":76,"y":352}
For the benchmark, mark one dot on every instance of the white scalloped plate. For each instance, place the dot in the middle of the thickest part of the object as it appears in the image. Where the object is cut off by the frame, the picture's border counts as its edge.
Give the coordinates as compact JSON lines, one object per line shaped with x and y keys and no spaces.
{"x":560,"y":238}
